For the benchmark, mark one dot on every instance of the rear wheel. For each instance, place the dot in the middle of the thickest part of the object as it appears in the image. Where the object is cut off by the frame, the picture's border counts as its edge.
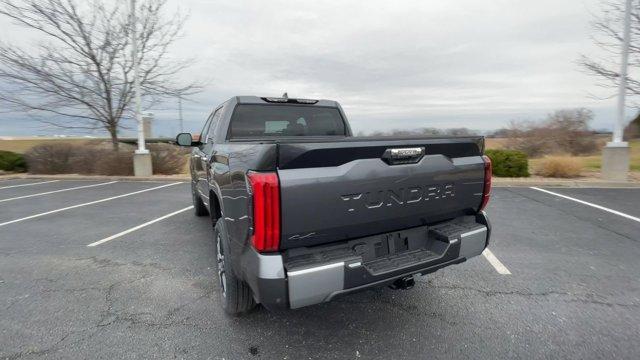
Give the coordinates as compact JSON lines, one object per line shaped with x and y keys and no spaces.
{"x":236,"y":295}
{"x":198,"y":205}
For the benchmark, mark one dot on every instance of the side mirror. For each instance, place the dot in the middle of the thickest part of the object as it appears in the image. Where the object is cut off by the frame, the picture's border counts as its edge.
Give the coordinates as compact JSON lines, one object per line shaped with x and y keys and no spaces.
{"x":185,"y":139}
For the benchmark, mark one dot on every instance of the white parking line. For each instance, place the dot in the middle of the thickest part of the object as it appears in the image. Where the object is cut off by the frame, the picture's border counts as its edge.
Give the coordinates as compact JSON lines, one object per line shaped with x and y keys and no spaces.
{"x":88,"y":203}
{"x":139,"y":227}
{"x":497,"y":264}
{"x":56,"y":191}
{"x":589,"y":204}
{"x":29,"y":184}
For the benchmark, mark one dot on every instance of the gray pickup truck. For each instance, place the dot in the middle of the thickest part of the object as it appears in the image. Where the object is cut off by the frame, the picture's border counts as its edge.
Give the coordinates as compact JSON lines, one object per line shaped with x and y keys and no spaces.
{"x":304,"y":212}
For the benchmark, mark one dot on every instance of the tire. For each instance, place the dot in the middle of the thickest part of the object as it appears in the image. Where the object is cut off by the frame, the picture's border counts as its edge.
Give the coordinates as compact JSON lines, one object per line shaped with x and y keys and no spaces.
{"x":235,"y":294}
{"x":198,"y":205}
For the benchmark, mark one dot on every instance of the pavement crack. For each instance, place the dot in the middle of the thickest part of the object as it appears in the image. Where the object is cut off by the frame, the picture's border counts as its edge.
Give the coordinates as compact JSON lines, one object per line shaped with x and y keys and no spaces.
{"x":573,"y":297}
{"x":37,"y":352}
{"x":111,"y":315}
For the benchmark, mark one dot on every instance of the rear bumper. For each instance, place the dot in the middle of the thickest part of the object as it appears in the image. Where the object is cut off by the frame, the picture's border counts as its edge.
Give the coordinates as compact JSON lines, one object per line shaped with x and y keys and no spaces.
{"x":309,"y":277}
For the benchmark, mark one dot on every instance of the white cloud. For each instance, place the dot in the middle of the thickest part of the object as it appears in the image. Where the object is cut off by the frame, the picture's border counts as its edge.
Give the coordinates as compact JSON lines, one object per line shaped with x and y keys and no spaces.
{"x":395,"y":64}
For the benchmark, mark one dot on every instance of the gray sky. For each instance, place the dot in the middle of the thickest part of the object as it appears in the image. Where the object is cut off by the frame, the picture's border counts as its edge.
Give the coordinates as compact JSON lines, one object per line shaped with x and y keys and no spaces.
{"x":392,"y":64}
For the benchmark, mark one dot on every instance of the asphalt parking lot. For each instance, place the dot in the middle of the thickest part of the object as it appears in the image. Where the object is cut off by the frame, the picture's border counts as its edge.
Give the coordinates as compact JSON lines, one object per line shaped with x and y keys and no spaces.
{"x":564,"y":282}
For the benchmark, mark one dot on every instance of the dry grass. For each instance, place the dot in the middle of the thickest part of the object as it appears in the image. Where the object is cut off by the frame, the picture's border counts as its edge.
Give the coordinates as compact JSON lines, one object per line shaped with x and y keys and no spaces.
{"x":591,"y":163}
{"x":22,"y":145}
{"x":594,"y":162}
{"x":168,"y":159}
{"x":559,"y":167}
{"x":495,"y":143}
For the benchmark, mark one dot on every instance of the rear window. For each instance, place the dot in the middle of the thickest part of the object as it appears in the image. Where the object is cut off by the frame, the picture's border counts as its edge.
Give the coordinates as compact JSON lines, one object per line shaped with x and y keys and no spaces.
{"x":259,"y":121}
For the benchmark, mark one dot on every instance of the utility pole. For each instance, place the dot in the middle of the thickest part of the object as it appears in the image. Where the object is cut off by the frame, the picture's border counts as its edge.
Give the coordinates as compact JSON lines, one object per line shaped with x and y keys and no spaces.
{"x":615,"y":156}
{"x":180,"y":113}
{"x":141,"y":158}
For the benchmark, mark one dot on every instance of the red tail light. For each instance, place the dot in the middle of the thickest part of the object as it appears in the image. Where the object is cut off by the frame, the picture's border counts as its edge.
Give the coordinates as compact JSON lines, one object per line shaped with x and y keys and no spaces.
{"x":266,"y":210}
{"x":486,"y":191}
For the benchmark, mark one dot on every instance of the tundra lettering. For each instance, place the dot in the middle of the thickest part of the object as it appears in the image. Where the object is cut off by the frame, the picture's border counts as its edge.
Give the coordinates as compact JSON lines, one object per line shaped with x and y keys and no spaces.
{"x":402,"y":196}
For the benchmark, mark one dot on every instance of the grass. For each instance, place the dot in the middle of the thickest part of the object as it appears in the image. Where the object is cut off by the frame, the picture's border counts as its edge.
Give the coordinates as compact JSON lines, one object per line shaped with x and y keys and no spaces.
{"x":594,"y":162}
{"x":559,"y":167}
{"x":22,"y":145}
{"x":590,"y":162}
{"x":494,"y":143}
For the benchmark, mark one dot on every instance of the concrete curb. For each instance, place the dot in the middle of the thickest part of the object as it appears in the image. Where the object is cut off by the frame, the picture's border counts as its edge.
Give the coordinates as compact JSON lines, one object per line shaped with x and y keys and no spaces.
{"x":97,"y":177}
{"x":524,"y":182}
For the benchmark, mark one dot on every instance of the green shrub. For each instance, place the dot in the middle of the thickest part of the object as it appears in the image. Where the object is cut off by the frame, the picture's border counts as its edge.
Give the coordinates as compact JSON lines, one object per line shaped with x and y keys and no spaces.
{"x":508,"y":163}
{"x":10,"y":161}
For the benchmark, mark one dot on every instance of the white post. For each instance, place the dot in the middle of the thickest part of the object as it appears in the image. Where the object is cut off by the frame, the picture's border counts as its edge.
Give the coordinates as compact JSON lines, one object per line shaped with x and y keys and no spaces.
{"x":136,"y":78}
{"x":622,"y":85}
{"x":615,"y":156}
{"x":141,"y":158}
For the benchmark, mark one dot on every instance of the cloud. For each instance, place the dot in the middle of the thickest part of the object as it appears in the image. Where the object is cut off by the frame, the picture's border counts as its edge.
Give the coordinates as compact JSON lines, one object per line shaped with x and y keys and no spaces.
{"x":403,"y":64}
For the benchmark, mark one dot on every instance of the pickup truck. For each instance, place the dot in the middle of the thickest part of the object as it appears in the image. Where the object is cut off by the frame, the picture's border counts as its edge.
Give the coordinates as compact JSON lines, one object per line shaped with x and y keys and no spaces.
{"x":303,"y":211}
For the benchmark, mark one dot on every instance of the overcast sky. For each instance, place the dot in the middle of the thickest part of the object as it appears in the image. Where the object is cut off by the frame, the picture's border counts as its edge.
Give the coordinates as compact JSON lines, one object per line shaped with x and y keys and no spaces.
{"x":391,"y":64}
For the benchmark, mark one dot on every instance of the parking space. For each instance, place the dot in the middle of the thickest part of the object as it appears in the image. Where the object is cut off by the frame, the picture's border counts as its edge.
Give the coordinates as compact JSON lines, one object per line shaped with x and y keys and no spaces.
{"x":18,"y":211}
{"x":18,"y":183}
{"x":572,"y":290}
{"x":623,"y":200}
{"x":11,"y":193}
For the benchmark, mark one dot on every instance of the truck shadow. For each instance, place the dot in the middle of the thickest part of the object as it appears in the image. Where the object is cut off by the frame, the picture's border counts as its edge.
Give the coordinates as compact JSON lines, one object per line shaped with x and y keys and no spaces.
{"x":352,"y":324}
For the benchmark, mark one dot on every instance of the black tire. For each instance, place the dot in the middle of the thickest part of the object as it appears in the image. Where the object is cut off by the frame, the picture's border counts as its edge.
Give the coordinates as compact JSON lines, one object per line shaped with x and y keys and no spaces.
{"x":235,"y":294}
{"x":198,"y":205}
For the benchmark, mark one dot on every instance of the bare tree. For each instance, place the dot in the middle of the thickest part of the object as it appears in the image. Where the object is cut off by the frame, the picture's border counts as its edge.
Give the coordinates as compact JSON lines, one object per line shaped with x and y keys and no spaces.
{"x":82,"y":75}
{"x":608,"y":35}
{"x":564,"y":131}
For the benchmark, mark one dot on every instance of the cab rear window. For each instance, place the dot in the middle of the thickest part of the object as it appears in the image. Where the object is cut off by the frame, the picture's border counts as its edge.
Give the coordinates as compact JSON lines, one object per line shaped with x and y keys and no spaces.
{"x":259,"y":121}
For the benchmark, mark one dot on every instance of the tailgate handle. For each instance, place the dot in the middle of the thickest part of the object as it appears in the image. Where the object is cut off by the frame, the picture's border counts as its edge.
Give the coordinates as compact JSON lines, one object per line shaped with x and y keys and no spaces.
{"x":410,"y":155}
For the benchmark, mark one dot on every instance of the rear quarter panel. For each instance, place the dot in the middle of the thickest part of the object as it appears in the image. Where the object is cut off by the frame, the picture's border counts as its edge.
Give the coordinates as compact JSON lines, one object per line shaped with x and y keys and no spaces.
{"x":230,"y":165}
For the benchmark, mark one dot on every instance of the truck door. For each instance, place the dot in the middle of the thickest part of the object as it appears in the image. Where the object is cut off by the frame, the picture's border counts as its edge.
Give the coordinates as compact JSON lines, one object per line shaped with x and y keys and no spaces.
{"x":206,"y":152}
{"x":197,"y":155}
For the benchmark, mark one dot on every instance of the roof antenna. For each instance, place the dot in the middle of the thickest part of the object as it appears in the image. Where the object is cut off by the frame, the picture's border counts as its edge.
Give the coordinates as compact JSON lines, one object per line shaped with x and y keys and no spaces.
{"x":285,"y":96}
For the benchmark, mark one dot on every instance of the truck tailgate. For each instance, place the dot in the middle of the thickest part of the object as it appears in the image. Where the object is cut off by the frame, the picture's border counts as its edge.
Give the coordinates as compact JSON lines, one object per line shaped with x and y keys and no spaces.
{"x":333,"y":191}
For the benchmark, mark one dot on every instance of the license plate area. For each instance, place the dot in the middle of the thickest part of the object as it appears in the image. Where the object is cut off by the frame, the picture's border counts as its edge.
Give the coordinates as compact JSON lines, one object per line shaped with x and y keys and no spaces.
{"x":385,"y":253}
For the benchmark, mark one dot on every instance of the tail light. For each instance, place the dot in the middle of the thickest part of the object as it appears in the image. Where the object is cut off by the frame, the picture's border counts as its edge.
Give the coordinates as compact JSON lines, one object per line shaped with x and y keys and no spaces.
{"x":266,"y":210}
{"x":486,"y":191}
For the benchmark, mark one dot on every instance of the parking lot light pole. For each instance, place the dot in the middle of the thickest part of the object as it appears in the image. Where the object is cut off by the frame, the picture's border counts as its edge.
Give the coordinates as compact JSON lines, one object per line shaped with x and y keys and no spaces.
{"x":141,"y":157}
{"x":180,"y":113}
{"x":615,"y":156}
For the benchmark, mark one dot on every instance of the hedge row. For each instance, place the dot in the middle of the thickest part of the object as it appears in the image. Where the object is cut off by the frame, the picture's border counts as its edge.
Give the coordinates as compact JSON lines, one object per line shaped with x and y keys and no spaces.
{"x":10,"y":161}
{"x":508,"y":163}
{"x":100,"y":159}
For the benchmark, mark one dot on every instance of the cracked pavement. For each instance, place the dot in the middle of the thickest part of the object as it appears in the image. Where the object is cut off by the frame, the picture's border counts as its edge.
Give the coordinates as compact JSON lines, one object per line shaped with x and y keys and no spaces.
{"x":574,"y":291}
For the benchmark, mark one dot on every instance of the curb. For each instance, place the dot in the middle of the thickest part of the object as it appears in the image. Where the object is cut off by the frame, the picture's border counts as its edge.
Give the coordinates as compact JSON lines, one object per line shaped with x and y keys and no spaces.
{"x":97,"y":177}
{"x":515,"y":182}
